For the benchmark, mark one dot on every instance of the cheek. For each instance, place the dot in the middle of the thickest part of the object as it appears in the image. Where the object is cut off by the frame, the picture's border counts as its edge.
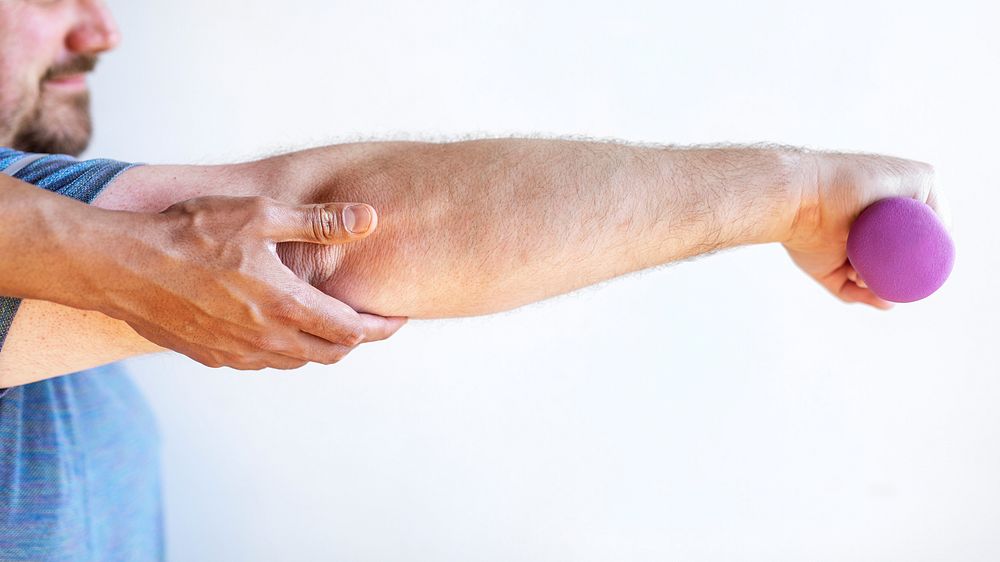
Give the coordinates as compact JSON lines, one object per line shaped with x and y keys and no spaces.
{"x":31,"y":40}
{"x":15,"y":93}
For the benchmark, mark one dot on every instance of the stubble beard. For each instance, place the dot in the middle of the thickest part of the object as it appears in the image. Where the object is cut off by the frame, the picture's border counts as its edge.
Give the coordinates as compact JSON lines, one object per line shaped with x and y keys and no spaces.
{"x":57,"y":124}
{"x":48,"y":119}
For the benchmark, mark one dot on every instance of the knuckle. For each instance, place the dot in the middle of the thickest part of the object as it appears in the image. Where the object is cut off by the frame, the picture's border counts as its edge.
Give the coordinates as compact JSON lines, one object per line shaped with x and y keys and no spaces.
{"x":323,"y":222}
{"x":354,"y":337}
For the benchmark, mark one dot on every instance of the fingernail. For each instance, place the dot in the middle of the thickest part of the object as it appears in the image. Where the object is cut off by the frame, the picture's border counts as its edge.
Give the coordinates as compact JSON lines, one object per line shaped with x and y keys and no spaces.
{"x":357,"y":219}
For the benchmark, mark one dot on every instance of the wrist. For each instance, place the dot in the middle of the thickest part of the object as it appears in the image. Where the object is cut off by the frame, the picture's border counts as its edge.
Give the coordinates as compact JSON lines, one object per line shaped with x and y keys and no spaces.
{"x":102,"y":257}
{"x":757,"y":193}
{"x":800,"y":189}
{"x":804,"y":196}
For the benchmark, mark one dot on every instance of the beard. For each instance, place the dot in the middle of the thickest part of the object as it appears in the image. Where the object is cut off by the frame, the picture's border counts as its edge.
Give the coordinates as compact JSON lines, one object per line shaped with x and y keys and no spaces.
{"x":57,"y":125}
{"x":53,"y":121}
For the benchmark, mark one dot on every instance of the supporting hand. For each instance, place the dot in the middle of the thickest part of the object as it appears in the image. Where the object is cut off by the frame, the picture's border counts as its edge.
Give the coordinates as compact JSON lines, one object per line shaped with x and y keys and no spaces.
{"x":203,"y":278}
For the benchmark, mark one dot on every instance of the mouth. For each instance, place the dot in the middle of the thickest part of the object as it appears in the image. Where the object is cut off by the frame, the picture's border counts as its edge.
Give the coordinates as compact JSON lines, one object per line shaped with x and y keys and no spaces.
{"x":68,"y":82}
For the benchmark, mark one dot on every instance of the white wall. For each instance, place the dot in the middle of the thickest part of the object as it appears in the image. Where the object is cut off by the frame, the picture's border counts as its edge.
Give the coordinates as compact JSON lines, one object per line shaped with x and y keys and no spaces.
{"x":722,"y":409}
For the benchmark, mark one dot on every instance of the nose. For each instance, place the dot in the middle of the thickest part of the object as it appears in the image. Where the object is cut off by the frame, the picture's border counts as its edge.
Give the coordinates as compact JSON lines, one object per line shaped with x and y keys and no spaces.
{"x":96,"y":31}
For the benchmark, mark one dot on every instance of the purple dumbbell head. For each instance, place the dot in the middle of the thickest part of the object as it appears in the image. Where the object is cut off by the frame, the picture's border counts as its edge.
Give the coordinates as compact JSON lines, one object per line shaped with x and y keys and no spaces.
{"x":900,"y":249}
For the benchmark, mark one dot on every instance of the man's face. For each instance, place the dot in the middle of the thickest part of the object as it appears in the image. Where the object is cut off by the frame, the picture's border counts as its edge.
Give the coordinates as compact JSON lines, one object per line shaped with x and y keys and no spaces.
{"x":46,"y":49}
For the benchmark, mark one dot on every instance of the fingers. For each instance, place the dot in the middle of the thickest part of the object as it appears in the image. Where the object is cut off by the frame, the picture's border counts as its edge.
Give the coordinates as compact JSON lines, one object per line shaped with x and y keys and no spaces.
{"x":924,"y":180}
{"x":326,"y":317}
{"x":324,"y":223}
{"x":325,"y":329}
{"x":852,"y":274}
{"x":846,"y":285}
{"x":308,"y":347}
{"x":317,"y":350}
{"x":253,"y":362}
{"x":276,"y":361}
{"x":941,"y":207}
{"x":378,"y":328}
{"x":850,"y":292}
{"x":305,"y":347}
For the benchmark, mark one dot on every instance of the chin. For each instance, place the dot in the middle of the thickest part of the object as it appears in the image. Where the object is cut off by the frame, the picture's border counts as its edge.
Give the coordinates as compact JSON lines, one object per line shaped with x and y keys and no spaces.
{"x":58,"y":128}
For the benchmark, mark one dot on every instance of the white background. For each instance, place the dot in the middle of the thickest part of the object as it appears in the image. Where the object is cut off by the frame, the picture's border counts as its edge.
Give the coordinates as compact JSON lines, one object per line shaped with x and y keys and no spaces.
{"x":720,"y":409}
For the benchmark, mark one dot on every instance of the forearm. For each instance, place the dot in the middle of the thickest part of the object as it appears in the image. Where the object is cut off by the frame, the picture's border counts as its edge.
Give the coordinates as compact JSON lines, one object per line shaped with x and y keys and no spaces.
{"x":48,"y":340}
{"x":46,"y":241}
{"x":477,"y":227}
{"x":34,"y":241}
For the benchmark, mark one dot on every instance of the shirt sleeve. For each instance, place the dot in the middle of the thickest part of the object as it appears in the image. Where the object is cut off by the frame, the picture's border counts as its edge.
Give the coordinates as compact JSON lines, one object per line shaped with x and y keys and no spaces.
{"x":82,"y":180}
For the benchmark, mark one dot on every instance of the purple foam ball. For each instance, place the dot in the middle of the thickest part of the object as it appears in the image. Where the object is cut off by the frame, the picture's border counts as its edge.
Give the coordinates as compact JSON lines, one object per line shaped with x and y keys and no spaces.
{"x":900,"y":249}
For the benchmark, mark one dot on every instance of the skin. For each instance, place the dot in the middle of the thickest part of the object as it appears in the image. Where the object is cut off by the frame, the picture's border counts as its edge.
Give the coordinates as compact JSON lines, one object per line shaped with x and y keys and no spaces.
{"x":252,"y":317}
{"x":45,"y":47}
{"x":200,"y":272}
{"x":483,"y":226}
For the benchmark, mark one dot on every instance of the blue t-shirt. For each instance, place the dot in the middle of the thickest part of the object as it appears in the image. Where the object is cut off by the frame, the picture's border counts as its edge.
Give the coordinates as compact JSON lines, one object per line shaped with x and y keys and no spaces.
{"x":79,"y":454}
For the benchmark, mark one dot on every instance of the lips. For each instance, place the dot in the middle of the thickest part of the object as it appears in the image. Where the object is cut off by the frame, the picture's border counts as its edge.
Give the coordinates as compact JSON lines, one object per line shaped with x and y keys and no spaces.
{"x":68,"y":81}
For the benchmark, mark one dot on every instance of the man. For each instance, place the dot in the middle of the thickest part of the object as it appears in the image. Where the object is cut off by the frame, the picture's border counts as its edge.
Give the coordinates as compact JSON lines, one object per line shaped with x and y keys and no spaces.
{"x":46,"y":48}
{"x":79,"y":476}
{"x":463,"y":228}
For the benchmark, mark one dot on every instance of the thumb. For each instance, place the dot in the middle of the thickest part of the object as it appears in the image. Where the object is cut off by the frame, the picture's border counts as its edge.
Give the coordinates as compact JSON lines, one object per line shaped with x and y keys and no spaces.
{"x":323,"y":223}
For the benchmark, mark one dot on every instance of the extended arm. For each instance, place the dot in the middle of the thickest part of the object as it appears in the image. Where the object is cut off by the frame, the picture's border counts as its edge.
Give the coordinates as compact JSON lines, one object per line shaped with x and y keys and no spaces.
{"x":482,"y":226}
